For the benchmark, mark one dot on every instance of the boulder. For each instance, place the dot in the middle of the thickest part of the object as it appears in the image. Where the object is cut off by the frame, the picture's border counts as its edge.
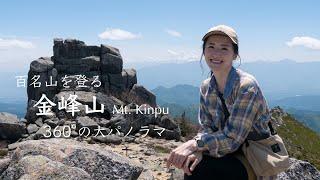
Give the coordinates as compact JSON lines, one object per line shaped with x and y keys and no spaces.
{"x":32,"y":128}
{"x":161,"y":132}
{"x":130,"y":77}
{"x":167,"y":122}
{"x":31,"y":115}
{"x":111,"y":63}
{"x":10,"y":127}
{"x":73,"y":49}
{"x":42,"y":64}
{"x":299,"y":170}
{"x":67,"y":159}
{"x":140,"y":95}
{"x":86,"y":122}
{"x":108,"y":139}
{"x":43,"y":82}
{"x":109,"y":49}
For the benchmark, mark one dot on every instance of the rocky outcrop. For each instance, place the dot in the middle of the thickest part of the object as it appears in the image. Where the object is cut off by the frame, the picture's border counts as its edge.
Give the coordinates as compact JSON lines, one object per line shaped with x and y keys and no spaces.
{"x":85,"y":72}
{"x":299,"y":170}
{"x":66,"y":159}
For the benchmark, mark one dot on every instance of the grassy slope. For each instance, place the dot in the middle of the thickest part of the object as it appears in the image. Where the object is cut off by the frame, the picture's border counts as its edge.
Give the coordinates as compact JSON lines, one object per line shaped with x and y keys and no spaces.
{"x":301,"y":142}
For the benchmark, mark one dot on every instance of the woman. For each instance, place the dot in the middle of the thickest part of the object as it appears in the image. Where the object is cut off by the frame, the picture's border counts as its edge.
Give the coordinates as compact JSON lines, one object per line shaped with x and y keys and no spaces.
{"x":232,"y":109}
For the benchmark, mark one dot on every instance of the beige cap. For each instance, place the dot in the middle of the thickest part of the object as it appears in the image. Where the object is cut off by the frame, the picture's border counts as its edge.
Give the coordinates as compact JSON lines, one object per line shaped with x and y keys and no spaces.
{"x":224,"y":30}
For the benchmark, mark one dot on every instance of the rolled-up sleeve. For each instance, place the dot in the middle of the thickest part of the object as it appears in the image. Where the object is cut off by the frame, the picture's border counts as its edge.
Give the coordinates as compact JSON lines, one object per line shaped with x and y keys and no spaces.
{"x":237,"y":127}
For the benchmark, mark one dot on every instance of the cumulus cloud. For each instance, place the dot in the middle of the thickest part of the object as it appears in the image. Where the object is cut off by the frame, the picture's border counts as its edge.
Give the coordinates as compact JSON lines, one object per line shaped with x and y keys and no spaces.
{"x":173,"y":33}
{"x":305,"y":41}
{"x":118,"y":34}
{"x":15,"y":43}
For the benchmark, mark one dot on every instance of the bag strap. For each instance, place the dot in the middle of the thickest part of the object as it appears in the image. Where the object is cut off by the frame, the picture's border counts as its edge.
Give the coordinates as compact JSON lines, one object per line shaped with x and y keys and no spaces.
{"x":227,"y":114}
{"x":224,"y":107}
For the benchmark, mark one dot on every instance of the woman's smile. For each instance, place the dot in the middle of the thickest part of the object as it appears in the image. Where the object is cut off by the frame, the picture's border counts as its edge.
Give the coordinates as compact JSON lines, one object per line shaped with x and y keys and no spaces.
{"x":219,"y":52}
{"x":216,"y":61}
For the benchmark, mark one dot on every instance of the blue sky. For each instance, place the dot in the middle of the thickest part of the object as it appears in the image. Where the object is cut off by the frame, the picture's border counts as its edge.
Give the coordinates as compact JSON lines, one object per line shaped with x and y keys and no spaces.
{"x":157,"y":31}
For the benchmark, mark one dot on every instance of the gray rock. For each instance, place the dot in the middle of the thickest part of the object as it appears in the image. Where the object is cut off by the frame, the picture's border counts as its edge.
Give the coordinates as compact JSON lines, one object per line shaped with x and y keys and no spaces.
{"x":53,"y":122}
{"x":129,"y":122}
{"x":109,"y":102}
{"x":89,"y":60}
{"x":86,"y":122}
{"x":10,"y":127}
{"x":117,"y":82}
{"x":299,"y":170}
{"x":108,"y":139}
{"x":45,"y":86}
{"x":104,"y":123}
{"x":41,"y":65}
{"x":111,"y":63}
{"x":146,"y":175}
{"x":32,"y":128}
{"x":155,"y":131}
{"x":129,"y":139}
{"x":43,"y":132}
{"x":68,"y":159}
{"x":130,"y":77}
{"x":23,"y":120}
{"x":49,"y":169}
{"x":31,"y":114}
{"x":141,"y":95}
{"x":109,"y":49}
{"x":73,"y":49}
{"x":74,"y":133}
{"x":4,"y":163}
{"x":176,"y":174}
{"x":39,"y":122}
{"x":74,"y":69}
{"x":167,"y":122}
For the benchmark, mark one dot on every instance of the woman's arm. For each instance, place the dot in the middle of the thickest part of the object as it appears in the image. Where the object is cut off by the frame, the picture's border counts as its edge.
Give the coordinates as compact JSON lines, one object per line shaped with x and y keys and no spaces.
{"x":244,"y":110}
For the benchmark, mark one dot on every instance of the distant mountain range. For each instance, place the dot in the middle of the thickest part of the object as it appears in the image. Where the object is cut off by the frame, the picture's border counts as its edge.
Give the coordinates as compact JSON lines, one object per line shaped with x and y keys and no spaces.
{"x":185,"y":98}
{"x":179,"y":94}
{"x":300,"y":102}
{"x":278,"y":80}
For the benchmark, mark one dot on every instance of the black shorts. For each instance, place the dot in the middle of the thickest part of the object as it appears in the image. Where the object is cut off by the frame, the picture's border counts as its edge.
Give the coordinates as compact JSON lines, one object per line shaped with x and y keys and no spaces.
{"x":227,"y":167}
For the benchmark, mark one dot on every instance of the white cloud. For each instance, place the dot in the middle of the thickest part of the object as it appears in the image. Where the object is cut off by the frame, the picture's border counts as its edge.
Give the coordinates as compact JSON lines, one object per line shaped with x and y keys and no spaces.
{"x":184,"y":55}
{"x":305,"y":41}
{"x":15,"y":43}
{"x":173,"y":33}
{"x":171,"y":52}
{"x":118,"y":34}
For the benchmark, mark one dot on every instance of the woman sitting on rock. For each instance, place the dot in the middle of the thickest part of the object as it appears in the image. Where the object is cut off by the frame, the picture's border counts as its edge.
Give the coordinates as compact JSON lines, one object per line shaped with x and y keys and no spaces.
{"x":232,"y":107}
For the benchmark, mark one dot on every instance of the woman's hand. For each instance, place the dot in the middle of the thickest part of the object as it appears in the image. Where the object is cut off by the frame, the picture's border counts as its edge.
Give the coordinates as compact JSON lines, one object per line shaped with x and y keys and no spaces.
{"x":178,"y":156}
{"x":195,"y":157}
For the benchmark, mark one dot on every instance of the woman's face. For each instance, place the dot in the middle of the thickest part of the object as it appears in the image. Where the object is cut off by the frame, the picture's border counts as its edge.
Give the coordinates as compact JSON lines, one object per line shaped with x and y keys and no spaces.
{"x":219,"y":52}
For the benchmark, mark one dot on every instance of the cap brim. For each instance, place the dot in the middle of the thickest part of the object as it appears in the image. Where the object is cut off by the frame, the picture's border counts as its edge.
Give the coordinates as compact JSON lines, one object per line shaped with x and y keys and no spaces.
{"x":217,"y":33}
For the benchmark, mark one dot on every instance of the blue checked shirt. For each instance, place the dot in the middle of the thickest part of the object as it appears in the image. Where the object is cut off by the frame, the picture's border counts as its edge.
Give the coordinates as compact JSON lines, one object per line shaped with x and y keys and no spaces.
{"x":248,"y":110}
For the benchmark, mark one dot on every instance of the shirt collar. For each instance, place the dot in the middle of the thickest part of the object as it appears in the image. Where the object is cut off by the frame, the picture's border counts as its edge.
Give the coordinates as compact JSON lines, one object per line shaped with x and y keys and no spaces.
{"x":229,"y":84}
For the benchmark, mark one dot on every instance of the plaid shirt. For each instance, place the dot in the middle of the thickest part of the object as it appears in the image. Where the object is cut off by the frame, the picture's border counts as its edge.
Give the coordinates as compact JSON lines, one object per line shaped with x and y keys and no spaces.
{"x":249,"y":113}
